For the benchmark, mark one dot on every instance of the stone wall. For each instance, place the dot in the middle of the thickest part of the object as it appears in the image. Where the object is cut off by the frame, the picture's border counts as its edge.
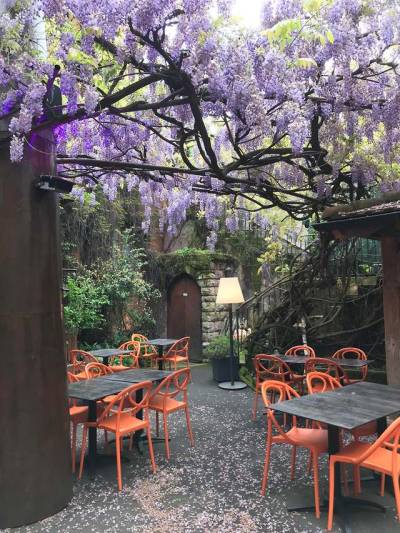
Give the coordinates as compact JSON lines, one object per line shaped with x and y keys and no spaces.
{"x":213,"y":315}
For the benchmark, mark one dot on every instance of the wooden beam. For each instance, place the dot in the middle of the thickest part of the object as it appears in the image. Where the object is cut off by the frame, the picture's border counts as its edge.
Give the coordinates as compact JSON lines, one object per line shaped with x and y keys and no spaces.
{"x":35,"y":464}
{"x":391,"y":305}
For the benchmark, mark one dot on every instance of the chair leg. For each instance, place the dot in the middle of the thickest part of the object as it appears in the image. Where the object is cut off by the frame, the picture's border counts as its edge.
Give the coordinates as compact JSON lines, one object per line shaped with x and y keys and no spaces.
{"x":316,"y":484}
{"x":151,"y":451}
{"x":157,"y":424}
{"x":357,"y":480}
{"x":73,"y":446}
{"x":189,"y":426}
{"x":118,"y":454}
{"x":331,"y":494}
{"x":309,"y":463}
{"x":396,"y":494}
{"x":255,"y":403}
{"x":166,"y":435}
{"x":83,"y":449}
{"x":383,"y":480}
{"x":266,"y":466}
{"x":293,"y":465}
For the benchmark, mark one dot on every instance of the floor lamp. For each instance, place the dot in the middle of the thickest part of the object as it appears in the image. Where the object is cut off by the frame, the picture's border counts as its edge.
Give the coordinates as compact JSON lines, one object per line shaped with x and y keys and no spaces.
{"x":229,"y":292}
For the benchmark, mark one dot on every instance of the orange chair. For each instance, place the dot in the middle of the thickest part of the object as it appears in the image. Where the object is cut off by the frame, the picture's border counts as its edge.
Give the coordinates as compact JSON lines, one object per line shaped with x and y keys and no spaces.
{"x":301,"y":349}
{"x":122,"y":420}
{"x":164,"y":400}
{"x":322,"y":382}
{"x":381,"y":456}
{"x":353,"y":353}
{"x":315,"y":440}
{"x":78,"y":414}
{"x":147,"y":351}
{"x":177,"y":353}
{"x":119,"y":359}
{"x":79,"y":359}
{"x":95,"y":370}
{"x":327,"y":366}
{"x":269,"y":367}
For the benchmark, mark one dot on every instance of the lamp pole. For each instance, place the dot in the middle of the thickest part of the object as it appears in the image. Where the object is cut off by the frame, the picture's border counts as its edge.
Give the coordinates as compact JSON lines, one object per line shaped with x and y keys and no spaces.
{"x":229,"y":292}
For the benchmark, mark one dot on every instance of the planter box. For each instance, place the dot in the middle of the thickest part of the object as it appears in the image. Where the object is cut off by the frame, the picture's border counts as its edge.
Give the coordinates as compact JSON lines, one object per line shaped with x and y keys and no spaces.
{"x":221,"y":369}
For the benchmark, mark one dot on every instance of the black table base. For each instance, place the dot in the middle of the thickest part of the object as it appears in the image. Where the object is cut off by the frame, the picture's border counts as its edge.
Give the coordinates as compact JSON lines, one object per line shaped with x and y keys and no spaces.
{"x":342,"y":511}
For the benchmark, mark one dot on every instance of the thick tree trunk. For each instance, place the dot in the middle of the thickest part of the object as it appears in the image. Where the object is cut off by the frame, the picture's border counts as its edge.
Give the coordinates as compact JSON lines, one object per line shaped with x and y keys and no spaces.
{"x":35,"y":469}
{"x":391,"y":304}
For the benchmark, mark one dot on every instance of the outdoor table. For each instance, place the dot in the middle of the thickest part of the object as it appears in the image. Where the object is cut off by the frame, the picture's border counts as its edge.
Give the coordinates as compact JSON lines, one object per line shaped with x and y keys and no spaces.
{"x":92,"y":390}
{"x":161,"y":344}
{"x":106,"y":353}
{"x":302,"y":359}
{"x":345,"y":408}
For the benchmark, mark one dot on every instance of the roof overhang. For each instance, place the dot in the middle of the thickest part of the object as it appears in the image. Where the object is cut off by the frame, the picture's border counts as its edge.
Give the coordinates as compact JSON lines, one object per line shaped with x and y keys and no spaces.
{"x":369,"y":226}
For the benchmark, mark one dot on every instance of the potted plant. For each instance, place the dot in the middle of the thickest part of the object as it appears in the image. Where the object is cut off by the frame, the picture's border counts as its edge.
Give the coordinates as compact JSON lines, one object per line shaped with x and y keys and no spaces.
{"x":218,"y":352}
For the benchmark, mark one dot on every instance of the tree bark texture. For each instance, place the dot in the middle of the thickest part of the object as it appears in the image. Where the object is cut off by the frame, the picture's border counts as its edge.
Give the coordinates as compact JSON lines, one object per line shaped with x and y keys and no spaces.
{"x":391,"y":304}
{"x":35,"y":467}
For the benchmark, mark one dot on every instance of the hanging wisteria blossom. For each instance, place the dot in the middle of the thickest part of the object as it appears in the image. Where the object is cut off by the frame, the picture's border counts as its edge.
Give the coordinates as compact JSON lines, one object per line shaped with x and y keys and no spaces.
{"x":174,"y":98}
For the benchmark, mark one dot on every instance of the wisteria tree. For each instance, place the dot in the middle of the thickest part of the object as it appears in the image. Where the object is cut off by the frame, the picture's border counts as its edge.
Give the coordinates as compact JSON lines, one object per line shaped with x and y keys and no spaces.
{"x":179,"y":101}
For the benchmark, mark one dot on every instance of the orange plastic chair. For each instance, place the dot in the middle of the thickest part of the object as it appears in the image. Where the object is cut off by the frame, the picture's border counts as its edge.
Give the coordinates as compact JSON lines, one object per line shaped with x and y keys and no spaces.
{"x":122,"y":420}
{"x":301,"y":349}
{"x":269,"y":367}
{"x":177,"y":353}
{"x":78,"y":414}
{"x":165,"y":400}
{"x":381,"y":456}
{"x":95,"y":370}
{"x":353,"y":353}
{"x":314,"y":440}
{"x":117,"y":361}
{"x":322,"y":382}
{"x":327,"y":366}
{"x":79,"y":359}
{"x":147,"y":351}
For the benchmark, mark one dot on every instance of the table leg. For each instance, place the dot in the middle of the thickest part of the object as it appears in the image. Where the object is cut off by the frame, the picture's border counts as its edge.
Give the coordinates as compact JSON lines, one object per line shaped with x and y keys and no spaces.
{"x":92,"y":447}
{"x":160,"y":358}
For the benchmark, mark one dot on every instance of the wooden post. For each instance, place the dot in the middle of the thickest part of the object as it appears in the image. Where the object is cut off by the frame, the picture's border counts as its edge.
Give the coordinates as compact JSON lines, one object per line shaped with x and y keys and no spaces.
{"x":35,"y":464}
{"x":391,"y":305}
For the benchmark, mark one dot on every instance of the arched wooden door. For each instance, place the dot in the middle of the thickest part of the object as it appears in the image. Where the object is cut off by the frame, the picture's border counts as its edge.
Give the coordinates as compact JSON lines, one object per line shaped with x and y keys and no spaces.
{"x":184,"y":313}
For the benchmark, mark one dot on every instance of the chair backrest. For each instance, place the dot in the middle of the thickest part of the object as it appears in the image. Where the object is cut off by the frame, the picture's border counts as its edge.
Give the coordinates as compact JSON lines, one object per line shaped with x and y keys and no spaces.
{"x":353,"y":353}
{"x":179,"y":348}
{"x":134,"y":348}
{"x":139,"y":337}
{"x":327,"y":366}
{"x":126,"y":402}
{"x":389,"y":440}
{"x":280,"y":392}
{"x":272,"y":368}
{"x":79,"y":356}
{"x":301,"y":349}
{"x":94,"y":370}
{"x":71,"y":378}
{"x":173,"y":385}
{"x":350,"y":353}
{"x":321,"y":382}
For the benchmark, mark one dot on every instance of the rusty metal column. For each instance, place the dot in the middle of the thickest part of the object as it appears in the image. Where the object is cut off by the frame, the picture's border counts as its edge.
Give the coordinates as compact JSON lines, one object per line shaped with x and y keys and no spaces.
{"x":35,"y":464}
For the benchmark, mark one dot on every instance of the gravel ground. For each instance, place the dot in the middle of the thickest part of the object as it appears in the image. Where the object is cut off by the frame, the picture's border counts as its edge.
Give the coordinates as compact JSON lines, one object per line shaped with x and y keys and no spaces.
{"x":213,"y":487}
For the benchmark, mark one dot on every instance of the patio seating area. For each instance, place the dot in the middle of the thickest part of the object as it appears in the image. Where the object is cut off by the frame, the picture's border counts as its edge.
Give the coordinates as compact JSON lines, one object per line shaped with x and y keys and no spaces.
{"x":214,"y":486}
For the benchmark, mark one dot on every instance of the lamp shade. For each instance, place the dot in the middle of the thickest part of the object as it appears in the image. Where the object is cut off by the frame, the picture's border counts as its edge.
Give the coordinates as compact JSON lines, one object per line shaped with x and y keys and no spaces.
{"x":229,"y":291}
